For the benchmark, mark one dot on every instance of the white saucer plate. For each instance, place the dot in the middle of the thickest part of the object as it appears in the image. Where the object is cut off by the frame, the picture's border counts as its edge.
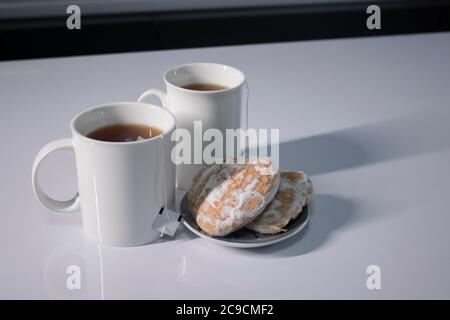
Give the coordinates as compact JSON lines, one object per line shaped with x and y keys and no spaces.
{"x":245,"y":238}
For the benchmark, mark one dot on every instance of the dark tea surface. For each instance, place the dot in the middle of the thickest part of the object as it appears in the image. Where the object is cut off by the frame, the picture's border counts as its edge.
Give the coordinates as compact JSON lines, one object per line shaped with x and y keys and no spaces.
{"x":205,"y":86}
{"x":124,"y":133}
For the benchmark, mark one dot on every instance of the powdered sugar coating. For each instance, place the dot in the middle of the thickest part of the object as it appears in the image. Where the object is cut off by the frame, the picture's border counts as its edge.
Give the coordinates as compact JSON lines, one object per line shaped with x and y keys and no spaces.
{"x":232,"y":196}
{"x":294,"y":193}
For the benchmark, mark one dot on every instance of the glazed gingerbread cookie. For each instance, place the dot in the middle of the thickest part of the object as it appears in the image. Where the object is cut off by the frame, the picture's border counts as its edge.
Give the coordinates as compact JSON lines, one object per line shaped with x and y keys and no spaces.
{"x":295,"y":192}
{"x":226,"y":197}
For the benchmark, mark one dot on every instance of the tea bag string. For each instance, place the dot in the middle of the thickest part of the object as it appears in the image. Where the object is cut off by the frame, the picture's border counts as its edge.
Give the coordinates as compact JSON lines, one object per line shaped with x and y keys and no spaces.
{"x":164,"y":174}
{"x":246,"y":105}
{"x":243,"y":152}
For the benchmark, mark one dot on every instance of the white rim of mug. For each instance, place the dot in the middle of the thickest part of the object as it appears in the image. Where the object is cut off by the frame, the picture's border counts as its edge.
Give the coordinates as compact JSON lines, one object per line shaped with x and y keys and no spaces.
{"x":75,"y":132}
{"x":193,"y":64}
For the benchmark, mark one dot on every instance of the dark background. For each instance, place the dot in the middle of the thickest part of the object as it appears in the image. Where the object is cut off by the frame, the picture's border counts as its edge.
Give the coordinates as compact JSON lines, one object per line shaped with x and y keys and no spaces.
{"x":35,"y":29}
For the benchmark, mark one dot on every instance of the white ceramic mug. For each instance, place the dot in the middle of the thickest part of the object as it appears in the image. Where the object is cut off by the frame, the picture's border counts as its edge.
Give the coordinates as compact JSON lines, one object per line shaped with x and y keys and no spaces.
{"x":221,"y":109}
{"x":121,"y":184}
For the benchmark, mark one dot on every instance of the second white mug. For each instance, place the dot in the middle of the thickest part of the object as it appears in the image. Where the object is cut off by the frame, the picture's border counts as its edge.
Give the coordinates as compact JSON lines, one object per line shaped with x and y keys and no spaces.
{"x":220,"y":109}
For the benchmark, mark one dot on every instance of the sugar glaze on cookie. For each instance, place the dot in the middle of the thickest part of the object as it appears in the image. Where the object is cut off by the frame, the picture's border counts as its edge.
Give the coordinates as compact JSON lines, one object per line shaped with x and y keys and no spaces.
{"x":294,"y":193}
{"x":226,"y":197}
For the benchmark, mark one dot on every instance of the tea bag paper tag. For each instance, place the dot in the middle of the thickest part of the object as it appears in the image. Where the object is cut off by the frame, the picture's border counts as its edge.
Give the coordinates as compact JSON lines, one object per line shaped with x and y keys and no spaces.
{"x":167,"y":222}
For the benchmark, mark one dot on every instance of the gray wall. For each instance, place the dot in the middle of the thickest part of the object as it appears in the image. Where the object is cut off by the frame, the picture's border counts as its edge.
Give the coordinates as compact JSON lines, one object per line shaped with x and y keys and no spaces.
{"x":39,"y":8}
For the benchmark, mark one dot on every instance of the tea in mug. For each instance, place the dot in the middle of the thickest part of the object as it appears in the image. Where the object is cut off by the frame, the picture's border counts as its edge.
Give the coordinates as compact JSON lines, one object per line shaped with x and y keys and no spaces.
{"x":124,"y":133}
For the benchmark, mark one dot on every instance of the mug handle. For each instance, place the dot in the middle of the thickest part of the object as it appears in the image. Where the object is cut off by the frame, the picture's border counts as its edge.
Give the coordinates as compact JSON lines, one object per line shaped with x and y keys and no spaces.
{"x":56,"y":205}
{"x":155,"y":92}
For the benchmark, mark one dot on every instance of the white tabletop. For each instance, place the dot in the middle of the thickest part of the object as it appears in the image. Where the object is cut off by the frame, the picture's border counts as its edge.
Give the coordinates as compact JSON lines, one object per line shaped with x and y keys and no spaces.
{"x":367,"y":118}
